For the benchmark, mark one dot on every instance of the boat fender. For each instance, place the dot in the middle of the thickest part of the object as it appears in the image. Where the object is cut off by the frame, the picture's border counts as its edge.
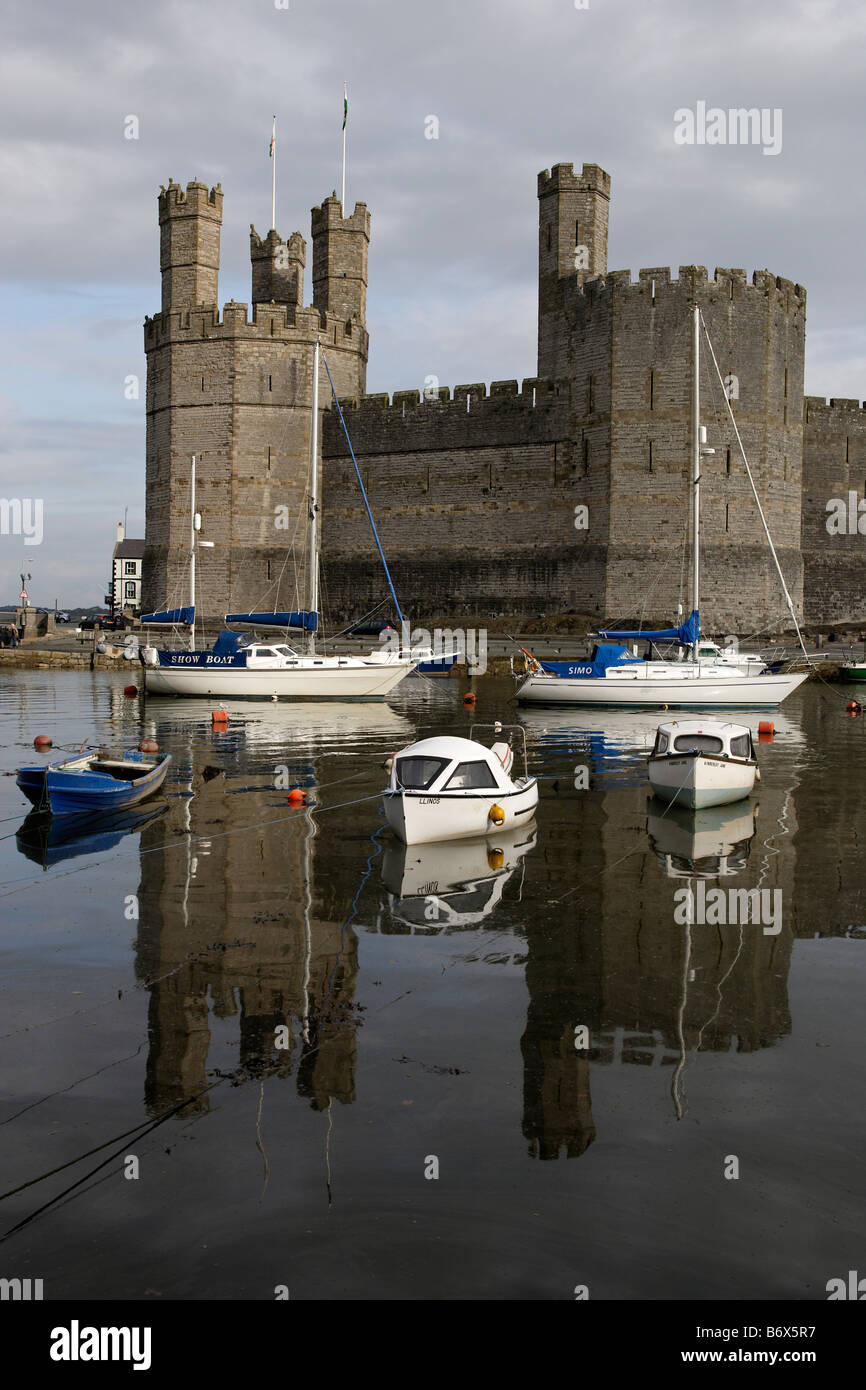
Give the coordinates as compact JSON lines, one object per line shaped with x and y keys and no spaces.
{"x":496,"y":815}
{"x":389,"y":762}
{"x":757,"y":774}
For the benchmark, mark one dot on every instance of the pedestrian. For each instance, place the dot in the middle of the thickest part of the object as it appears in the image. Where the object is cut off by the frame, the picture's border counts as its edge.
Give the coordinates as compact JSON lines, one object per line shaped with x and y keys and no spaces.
{"x":13,"y":635}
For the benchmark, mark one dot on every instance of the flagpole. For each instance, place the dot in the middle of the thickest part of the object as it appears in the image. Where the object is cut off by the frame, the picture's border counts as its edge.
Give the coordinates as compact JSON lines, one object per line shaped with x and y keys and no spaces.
{"x":345,"y":113}
{"x":274,"y":176}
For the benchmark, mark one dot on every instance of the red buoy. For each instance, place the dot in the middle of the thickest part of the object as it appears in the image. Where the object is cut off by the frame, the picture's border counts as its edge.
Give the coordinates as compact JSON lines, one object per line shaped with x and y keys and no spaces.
{"x":469,"y":698}
{"x":148,"y":745}
{"x":42,"y":741}
{"x":130,"y":691}
{"x":853,"y":707}
{"x":219,"y":718}
{"x":297,"y":797}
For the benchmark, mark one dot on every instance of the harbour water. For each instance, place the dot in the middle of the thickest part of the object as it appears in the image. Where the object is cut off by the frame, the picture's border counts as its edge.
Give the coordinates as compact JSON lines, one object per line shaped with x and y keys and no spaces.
{"x":262,"y":1047}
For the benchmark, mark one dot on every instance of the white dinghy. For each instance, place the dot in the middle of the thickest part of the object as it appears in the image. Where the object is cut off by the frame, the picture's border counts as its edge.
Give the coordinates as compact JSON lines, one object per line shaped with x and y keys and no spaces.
{"x":457,"y":789}
{"x":702,"y":762}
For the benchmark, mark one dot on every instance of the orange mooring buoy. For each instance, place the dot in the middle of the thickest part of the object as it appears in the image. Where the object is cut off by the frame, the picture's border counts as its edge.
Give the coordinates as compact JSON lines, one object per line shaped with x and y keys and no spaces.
{"x":853,"y":707}
{"x":469,"y":698}
{"x":42,"y":741}
{"x":219,"y":718}
{"x":148,"y":745}
{"x":130,"y":691}
{"x":766,"y":729}
{"x":297,"y":797}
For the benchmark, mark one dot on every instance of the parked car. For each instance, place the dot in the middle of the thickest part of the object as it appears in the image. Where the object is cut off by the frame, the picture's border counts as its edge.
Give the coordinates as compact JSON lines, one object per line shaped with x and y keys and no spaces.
{"x":61,"y":617}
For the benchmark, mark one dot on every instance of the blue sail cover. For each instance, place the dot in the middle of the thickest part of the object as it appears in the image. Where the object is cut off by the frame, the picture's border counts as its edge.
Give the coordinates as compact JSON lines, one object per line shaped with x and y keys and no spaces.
{"x":172,"y":615}
{"x":687,"y":633}
{"x":308,"y":621}
{"x":604,"y":655}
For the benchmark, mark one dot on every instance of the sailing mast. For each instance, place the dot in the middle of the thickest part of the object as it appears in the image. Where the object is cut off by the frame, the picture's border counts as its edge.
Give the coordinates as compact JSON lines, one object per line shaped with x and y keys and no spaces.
{"x":192,"y":552}
{"x":696,"y":473}
{"x":313,"y":532}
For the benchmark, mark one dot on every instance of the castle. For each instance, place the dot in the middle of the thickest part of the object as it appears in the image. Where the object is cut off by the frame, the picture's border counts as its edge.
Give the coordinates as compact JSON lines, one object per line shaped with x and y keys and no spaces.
{"x":566,"y":493}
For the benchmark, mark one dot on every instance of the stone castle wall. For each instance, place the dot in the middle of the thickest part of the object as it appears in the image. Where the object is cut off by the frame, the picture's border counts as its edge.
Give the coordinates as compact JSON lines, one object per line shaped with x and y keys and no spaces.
{"x":474,"y":498}
{"x":834,"y":467}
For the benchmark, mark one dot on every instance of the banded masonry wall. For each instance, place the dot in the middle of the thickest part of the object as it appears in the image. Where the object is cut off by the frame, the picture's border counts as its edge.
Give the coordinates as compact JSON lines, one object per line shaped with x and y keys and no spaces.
{"x":834,"y":510}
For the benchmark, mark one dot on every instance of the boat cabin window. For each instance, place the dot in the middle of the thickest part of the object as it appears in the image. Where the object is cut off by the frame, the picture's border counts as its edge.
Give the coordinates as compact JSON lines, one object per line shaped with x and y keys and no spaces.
{"x":709,"y":651}
{"x":417,"y":774}
{"x":263,"y":651}
{"x":741,"y":746}
{"x":661,"y":743}
{"x":469,"y":776}
{"x":698,"y":743}
{"x":284,"y":651}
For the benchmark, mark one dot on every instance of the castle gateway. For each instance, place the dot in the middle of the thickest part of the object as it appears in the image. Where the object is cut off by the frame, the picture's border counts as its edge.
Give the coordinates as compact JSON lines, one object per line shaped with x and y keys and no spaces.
{"x":567,"y":492}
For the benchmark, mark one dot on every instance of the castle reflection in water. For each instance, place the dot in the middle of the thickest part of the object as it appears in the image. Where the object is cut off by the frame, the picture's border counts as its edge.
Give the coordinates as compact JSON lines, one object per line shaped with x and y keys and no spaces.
{"x":264,"y":927}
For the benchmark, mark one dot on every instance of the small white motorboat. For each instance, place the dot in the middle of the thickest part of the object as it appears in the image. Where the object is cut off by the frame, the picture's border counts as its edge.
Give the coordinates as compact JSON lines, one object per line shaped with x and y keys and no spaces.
{"x":457,"y":789}
{"x":702,"y":762}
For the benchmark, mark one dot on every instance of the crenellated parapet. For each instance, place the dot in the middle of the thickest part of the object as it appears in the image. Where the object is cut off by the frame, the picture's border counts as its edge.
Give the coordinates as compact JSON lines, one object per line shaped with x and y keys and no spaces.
{"x":470,"y":415}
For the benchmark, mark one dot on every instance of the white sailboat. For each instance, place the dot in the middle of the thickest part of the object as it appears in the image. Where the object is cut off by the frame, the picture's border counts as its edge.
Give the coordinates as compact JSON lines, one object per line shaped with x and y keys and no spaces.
{"x":613,"y":676}
{"x":237,"y":668}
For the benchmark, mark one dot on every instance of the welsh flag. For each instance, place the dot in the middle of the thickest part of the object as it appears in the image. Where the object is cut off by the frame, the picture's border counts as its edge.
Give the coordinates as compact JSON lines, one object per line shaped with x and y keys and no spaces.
{"x":273,"y":140}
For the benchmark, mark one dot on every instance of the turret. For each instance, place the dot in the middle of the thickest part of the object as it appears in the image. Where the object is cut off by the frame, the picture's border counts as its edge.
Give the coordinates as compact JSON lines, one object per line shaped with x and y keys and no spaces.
{"x":572,"y":242}
{"x":189,"y":244}
{"x":278,"y":268}
{"x":340,"y":246}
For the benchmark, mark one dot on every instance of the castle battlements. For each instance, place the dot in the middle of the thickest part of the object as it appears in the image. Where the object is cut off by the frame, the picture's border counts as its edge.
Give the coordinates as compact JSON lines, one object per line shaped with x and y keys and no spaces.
{"x":509,"y":395}
{"x":276,"y":321}
{"x":693,"y":279}
{"x":820,"y":405}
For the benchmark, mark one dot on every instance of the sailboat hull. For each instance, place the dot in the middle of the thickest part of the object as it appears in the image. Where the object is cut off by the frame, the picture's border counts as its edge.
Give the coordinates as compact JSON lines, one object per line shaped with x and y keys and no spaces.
{"x":686,"y":690}
{"x":351,"y":679}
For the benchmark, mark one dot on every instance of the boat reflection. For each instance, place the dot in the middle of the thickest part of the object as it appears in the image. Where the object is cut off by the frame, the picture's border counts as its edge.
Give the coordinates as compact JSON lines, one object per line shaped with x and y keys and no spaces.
{"x":617,"y":743}
{"x":711,"y":843}
{"x":49,"y":840}
{"x":451,"y":885}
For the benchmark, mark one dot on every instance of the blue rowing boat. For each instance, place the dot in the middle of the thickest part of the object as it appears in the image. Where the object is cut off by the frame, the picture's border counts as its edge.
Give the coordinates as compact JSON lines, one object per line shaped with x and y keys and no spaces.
{"x":92,"y":783}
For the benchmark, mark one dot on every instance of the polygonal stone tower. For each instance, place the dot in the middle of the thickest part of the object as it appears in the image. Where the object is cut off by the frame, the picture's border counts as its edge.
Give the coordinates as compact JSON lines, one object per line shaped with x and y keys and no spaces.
{"x":189,"y":244}
{"x":235,"y":391}
{"x":573,"y":214}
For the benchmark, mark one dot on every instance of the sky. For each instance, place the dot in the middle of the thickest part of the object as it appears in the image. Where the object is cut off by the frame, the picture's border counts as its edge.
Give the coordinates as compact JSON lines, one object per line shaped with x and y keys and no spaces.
{"x":515,"y":85}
